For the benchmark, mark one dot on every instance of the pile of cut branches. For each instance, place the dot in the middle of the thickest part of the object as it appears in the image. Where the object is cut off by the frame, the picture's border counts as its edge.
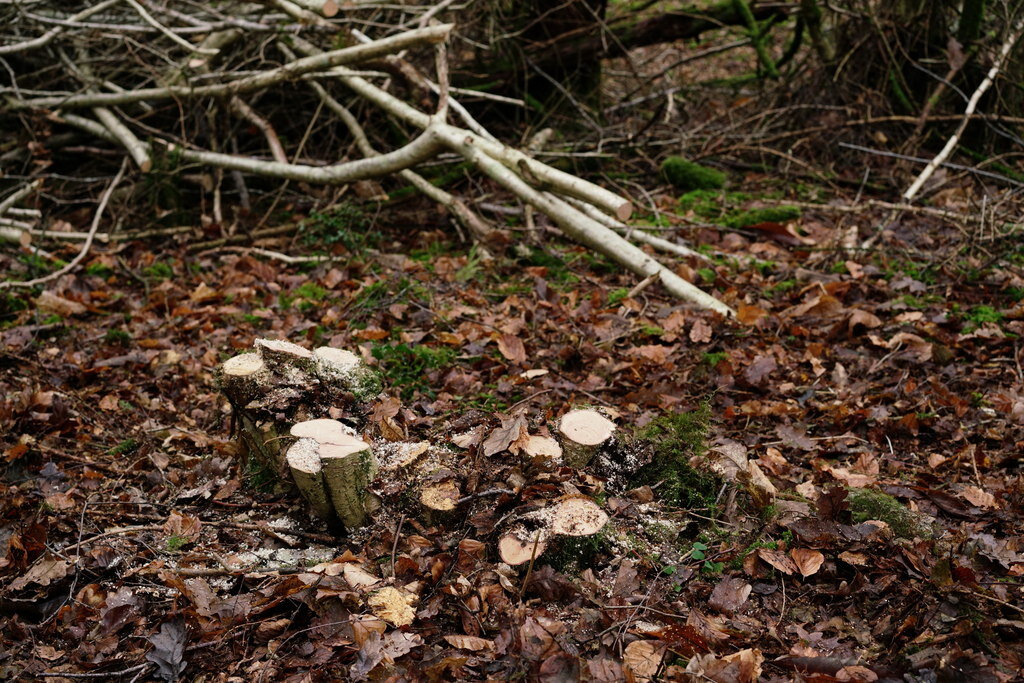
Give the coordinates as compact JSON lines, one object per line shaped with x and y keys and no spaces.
{"x":232,"y":95}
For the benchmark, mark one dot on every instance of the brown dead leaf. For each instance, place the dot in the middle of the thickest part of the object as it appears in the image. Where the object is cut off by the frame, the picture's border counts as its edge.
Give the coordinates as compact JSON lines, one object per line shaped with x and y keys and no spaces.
{"x":203,"y":293}
{"x":912,"y":345}
{"x":700,"y":332}
{"x":778,"y":559}
{"x":471,"y":438}
{"x":761,"y":489}
{"x":796,"y":437}
{"x":511,"y":347}
{"x":46,"y":569}
{"x":819,"y":306}
{"x":48,"y":302}
{"x":758,"y":371}
{"x":977,"y":497}
{"x":750,"y":315}
{"x":183,"y":526}
{"x":740,"y":667}
{"x":471,"y":643}
{"x":856,"y":559}
{"x":512,"y":435}
{"x":643,"y":658}
{"x":656,"y":353}
{"x":729,"y":595}
{"x":357,"y":577}
{"x":807,"y":561}
{"x":861,"y":320}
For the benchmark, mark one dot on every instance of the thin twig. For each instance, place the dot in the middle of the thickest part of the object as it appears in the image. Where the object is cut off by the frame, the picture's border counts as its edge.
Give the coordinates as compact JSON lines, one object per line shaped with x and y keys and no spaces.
{"x":1004,"y":52}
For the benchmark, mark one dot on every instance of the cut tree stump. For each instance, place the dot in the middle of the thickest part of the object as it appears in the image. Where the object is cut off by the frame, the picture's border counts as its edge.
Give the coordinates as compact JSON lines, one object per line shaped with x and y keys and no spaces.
{"x":583,"y":433}
{"x":307,"y":472}
{"x":570,"y":516}
{"x":280,"y":384}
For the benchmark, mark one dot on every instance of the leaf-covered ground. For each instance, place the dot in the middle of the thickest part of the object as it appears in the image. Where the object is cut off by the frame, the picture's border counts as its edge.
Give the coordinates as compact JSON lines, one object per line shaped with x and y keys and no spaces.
{"x":878,"y":393}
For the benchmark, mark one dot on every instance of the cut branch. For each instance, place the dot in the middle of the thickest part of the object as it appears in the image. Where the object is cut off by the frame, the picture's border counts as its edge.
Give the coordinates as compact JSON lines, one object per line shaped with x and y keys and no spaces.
{"x":321,"y":62}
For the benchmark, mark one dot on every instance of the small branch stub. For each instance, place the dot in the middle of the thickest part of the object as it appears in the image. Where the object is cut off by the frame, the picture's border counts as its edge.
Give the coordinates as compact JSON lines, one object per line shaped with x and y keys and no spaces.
{"x":583,"y":433}
{"x":348,"y":466}
{"x":242,"y":377}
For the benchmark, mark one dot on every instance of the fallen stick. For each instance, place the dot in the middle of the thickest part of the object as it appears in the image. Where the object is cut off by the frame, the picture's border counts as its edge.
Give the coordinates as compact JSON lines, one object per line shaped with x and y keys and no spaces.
{"x":972,"y":104}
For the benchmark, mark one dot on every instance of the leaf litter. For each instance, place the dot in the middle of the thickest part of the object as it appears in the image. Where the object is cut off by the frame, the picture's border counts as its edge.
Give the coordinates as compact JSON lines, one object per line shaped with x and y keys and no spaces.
{"x":866,"y":438}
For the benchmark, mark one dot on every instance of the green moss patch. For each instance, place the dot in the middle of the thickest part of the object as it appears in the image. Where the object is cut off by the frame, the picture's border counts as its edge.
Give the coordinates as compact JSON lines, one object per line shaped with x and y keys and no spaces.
{"x":866,"y":504}
{"x":673,"y":440}
{"x":686,"y":175}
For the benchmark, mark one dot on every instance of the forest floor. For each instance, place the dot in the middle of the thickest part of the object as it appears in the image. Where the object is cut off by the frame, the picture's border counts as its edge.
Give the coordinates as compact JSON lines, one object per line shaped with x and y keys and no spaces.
{"x":867,"y":385}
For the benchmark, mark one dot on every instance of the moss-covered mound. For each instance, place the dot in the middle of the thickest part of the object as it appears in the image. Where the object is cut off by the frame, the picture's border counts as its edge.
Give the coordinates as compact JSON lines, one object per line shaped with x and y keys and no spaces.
{"x":686,"y":175}
{"x":673,"y":440}
{"x":772,"y":214}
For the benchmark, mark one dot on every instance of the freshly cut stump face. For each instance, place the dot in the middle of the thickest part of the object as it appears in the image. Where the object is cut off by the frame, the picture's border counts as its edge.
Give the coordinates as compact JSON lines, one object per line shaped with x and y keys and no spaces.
{"x":543,"y":447}
{"x":243,"y":365}
{"x":324,"y":430}
{"x":577,"y":517}
{"x":583,"y":432}
{"x":517,"y":547}
{"x":338,"y":359}
{"x":279,"y":347}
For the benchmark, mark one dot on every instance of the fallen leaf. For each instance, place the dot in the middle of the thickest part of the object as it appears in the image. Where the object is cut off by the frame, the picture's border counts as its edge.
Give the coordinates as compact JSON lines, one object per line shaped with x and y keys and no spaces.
{"x":739,"y":667}
{"x":48,"y":302}
{"x":795,"y":437}
{"x":860,"y":320}
{"x":46,"y":569}
{"x":807,"y":561}
{"x":912,"y":346}
{"x":471,"y":438}
{"x":975,"y":496}
{"x":169,"y":650}
{"x":729,"y":595}
{"x":777,"y":559}
{"x":749,"y":315}
{"x":511,"y":347}
{"x":357,"y":577}
{"x":643,"y":658}
{"x":512,"y":435}
{"x":761,"y":489}
{"x":820,"y":306}
{"x":700,"y":332}
{"x":470,"y":643}
{"x":758,"y":371}
{"x":183,"y":526}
